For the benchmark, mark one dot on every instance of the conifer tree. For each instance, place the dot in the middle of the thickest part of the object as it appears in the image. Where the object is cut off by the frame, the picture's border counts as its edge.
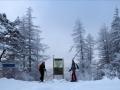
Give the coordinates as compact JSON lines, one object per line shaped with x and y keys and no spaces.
{"x":115,"y":43}
{"x":79,"y":44}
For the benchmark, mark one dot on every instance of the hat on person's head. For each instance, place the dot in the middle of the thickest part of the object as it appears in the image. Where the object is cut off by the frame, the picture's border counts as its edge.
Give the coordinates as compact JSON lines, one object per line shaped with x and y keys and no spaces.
{"x":43,"y":62}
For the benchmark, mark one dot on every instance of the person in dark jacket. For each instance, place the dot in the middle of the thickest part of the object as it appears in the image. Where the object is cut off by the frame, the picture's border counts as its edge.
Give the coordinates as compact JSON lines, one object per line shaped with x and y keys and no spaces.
{"x":42,"y":71}
{"x":74,"y":66}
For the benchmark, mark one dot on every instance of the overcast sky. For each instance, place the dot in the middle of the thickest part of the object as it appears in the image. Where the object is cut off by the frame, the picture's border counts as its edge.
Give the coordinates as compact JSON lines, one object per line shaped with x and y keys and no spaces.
{"x":56,"y":19}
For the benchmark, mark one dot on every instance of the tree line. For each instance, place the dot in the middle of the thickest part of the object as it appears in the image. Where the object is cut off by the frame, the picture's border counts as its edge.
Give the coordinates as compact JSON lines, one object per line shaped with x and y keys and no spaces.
{"x":108,"y":46}
{"x":21,"y":43}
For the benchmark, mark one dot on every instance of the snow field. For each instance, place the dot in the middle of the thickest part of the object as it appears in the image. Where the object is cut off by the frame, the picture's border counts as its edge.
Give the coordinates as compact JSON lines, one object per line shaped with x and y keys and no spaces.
{"x":105,"y":84}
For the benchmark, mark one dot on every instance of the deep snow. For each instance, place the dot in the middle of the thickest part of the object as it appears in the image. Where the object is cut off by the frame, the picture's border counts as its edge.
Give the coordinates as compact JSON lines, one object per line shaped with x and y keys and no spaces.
{"x":106,"y":84}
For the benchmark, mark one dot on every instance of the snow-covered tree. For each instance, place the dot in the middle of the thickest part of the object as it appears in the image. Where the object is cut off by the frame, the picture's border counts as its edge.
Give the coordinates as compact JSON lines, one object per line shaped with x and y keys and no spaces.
{"x":34,"y":49}
{"x":104,"y":45}
{"x":109,"y":48}
{"x":89,"y":55}
{"x":11,"y":42}
{"x":79,"y":44}
{"x":115,"y":43}
{"x":22,"y":30}
{"x":11,"y":39}
{"x":104,"y":51}
{"x":115,"y":32}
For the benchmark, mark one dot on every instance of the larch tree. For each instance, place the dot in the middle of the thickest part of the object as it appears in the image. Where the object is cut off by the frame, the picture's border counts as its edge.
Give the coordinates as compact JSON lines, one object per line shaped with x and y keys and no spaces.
{"x":79,"y":44}
{"x":34,"y":49}
{"x":89,"y":55}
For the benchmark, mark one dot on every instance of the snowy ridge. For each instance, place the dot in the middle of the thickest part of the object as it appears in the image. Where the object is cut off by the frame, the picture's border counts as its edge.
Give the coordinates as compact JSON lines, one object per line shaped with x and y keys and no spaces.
{"x":105,"y":84}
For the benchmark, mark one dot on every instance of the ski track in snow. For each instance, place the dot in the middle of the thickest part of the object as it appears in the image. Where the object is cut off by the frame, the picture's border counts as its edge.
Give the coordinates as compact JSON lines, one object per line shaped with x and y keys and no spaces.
{"x":106,"y":84}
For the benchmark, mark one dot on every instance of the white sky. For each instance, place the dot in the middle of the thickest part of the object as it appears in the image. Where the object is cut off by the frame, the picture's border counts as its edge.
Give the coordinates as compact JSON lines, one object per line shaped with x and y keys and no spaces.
{"x":56,"y":19}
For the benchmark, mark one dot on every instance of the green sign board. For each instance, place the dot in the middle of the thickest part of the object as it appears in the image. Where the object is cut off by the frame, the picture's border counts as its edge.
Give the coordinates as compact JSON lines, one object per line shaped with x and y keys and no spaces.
{"x":58,"y":66}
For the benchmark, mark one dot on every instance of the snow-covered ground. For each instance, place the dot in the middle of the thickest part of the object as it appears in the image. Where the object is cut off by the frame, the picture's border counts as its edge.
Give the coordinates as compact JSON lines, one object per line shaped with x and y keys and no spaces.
{"x":106,"y":84}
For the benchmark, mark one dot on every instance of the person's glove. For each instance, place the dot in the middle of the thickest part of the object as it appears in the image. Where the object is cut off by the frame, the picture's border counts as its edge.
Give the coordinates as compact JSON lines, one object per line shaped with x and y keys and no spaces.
{"x":69,"y":70}
{"x":44,"y":69}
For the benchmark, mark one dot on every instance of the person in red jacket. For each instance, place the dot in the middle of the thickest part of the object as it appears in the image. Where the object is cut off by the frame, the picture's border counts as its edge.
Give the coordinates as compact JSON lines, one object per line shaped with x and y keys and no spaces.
{"x":42,"y":71}
{"x":74,"y":66}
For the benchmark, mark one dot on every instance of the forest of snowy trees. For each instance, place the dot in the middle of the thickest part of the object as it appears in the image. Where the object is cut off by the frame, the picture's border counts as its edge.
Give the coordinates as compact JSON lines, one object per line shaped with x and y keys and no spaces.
{"x":108,"y":46}
{"x":21,"y":44}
